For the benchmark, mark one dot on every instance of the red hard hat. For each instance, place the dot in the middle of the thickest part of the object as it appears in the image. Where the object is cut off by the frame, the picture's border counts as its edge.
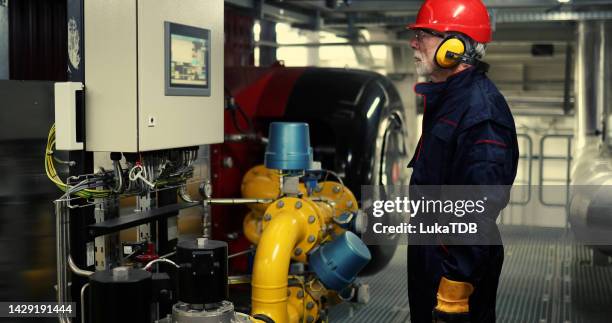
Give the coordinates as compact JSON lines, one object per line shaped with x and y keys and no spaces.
{"x":469,"y":17}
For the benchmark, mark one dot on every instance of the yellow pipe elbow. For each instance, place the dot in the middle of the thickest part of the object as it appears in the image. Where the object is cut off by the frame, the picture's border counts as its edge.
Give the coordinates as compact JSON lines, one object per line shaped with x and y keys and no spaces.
{"x":271,"y":267}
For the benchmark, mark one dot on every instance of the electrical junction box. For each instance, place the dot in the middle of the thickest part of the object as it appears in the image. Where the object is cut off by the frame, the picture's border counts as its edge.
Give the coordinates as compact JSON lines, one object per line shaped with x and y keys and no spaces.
{"x":153,"y":74}
{"x":67,"y":133}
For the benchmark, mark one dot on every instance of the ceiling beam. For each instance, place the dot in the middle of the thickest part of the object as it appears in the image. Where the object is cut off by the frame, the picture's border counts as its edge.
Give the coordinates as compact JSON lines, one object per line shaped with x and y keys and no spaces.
{"x":274,"y":12}
{"x":414,"y":5}
{"x":544,"y":32}
{"x":500,"y":17}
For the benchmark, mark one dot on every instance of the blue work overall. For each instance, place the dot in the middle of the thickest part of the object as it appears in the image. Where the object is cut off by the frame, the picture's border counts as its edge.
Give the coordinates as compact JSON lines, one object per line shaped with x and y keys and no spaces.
{"x":468,"y":138}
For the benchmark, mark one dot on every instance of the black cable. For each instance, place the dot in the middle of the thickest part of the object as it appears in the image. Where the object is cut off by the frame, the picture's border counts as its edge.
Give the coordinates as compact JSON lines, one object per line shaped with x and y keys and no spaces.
{"x":235,"y":122}
{"x":232,"y":106}
{"x":263,"y":317}
{"x":246,"y":118}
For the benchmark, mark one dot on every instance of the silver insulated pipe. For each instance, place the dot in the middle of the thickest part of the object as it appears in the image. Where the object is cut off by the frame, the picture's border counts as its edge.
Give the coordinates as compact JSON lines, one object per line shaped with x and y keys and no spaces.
{"x":590,"y":209}
{"x":589,"y":82}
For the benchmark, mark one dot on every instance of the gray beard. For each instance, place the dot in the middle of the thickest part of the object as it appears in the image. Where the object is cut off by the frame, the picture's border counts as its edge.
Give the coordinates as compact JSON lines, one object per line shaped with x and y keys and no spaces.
{"x":423,"y":69}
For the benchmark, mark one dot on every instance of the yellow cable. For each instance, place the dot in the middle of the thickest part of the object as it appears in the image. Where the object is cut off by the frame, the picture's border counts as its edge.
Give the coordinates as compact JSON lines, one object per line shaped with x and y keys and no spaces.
{"x":85,"y":193}
{"x":54,"y":177}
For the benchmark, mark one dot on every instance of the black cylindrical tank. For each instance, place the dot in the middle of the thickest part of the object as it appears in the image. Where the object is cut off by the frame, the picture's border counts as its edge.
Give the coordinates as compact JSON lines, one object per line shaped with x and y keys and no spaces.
{"x":121,"y":295}
{"x":357,"y":128}
{"x":203,"y":271}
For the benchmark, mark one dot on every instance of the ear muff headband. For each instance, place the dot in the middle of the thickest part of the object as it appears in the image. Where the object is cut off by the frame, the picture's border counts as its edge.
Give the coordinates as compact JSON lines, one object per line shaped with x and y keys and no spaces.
{"x":451,"y":51}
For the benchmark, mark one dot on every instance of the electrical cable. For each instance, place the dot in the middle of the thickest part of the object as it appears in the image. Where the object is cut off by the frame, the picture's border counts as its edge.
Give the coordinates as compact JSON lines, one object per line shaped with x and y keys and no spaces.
{"x":160,"y":260}
{"x":83,"y":189}
{"x":140,"y":172}
{"x":155,"y":166}
{"x":232,"y":106}
{"x":246,"y":118}
{"x":118,"y":177}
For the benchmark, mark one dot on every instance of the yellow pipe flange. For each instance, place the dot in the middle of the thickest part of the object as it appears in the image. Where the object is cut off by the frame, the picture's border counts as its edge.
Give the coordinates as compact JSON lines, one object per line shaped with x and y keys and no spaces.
{"x":295,"y":305}
{"x":342,"y":198}
{"x":305,"y":307}
{"x":306,"y":209}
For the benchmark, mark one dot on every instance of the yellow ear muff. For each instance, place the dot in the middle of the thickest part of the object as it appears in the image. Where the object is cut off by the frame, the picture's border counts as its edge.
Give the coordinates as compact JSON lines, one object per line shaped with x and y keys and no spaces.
{"x":449,"y":52}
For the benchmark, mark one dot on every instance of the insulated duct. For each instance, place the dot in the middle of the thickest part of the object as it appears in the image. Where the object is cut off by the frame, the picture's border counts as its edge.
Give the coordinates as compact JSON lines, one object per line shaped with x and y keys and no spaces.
{"x":590,"y":79}
{"x":4,"y":41}
{"x":590,"y":208}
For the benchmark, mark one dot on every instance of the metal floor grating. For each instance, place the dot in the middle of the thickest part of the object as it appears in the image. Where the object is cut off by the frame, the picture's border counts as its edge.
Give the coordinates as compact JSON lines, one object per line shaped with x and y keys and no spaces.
{"x":388,"y":296}
{"x":545,"y":279}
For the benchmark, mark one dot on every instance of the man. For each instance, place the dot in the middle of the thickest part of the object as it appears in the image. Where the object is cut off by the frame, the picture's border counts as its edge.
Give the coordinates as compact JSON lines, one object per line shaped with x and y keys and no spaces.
{"x":468,"y":138}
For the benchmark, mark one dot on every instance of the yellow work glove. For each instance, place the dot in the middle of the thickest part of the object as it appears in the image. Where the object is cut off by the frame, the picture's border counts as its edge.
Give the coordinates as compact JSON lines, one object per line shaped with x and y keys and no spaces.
{"x":453,"y":302}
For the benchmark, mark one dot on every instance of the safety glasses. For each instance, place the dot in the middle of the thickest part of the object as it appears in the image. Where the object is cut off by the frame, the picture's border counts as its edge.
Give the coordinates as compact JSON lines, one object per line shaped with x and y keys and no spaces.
{"x":421,"y":34}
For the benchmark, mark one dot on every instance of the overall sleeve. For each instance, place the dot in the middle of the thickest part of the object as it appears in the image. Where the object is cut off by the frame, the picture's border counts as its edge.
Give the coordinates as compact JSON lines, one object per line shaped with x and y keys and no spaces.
{"x":486,"y":159}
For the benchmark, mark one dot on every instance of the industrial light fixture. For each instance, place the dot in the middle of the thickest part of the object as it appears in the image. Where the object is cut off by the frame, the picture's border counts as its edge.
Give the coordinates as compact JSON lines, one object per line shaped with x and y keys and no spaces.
{"x":333,"y":4}
{"x":564,"y":1}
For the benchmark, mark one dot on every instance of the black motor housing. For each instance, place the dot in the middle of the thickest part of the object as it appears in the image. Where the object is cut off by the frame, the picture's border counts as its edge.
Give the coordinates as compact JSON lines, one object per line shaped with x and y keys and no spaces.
{"x":120,"y":297}
{"x":203,"y":271}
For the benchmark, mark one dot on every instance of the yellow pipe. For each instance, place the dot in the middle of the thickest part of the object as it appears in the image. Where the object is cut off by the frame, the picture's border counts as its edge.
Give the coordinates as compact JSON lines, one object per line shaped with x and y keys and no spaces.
{"x":251,"y":227}
{"x":271,"y":267}
{"x":260,"y":182}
